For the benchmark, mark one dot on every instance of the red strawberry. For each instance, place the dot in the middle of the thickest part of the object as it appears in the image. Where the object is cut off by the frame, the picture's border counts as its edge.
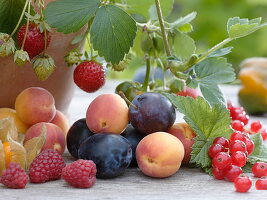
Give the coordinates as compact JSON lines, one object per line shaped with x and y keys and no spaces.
{"x":35,"y":39}
{"x":89,"y":76}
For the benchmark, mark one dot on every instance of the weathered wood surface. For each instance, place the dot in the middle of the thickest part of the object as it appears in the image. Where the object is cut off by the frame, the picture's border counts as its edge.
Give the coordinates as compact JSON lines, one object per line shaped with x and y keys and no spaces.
{"x":191,"y":184}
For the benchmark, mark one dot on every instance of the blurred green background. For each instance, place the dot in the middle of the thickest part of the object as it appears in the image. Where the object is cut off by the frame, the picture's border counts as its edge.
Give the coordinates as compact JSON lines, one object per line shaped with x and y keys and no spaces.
{"x":210,"y":29}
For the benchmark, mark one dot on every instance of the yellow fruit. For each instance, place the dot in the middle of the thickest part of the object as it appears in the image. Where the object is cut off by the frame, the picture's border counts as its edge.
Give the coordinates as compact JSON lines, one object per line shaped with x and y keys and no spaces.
{"x":2,"y":158}
{"x":8,"y":112}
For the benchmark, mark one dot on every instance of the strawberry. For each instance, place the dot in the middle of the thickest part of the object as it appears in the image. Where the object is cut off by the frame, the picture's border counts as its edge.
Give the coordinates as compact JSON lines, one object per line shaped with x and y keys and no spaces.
{"x":35,"y":39}
{"x":89,"y":76}
{"x":21,"y":57}
{"x":43,"y":66}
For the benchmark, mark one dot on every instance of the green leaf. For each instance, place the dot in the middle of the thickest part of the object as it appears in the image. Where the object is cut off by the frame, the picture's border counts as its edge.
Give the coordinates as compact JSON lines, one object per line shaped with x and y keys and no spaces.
{"x":184,"y":46}
{"x":212,"y":93}
{"x":70,"y":16}
{"x":221,"y":52}
{"x":238,"y":28}
{"x":210,"y":73}
{"x":183,"y":20}
{"x":260,"y":152}
{"x":77,"y":39}
{"x":112,"y":33}
{"x":10,"y":12}
{"x":187,"y":28}
{"x":206,"y":121}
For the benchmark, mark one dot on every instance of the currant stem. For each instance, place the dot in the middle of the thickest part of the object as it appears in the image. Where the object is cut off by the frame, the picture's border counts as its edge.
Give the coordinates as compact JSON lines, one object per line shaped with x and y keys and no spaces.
{"x":27,"y":26}
{"x":163,"y":30}
{"x":148,"y":67}
{"x":20,"y":19}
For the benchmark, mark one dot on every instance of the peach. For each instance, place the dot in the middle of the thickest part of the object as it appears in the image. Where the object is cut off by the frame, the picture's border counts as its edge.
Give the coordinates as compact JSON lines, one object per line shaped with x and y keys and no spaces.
{"x":55,"y":137}
{"x":107,"y":113}
{"x":34,"y":105}
{"x":186,"y":135}
{"x":8,"y":112}
{"x":159,"y":154}
{"x":61,"y":121}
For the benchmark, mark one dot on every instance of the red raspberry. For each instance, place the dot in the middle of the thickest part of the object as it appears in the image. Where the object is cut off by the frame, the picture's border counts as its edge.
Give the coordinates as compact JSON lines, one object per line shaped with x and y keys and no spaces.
{"x":35,"y":40}
{"x":242,"y":183}
{"x":80,"y":174}
{"x":89,"y":76}
{"x":46,"y":166}
{"x":14,"y":176}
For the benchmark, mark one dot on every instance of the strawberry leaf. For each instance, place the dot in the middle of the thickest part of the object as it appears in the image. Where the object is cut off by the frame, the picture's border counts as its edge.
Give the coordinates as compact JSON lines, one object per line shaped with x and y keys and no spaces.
{"x":112,"y":33}
{"x":70,"y":16}
{"x":238,"y":28}
{"x":206,"y":121}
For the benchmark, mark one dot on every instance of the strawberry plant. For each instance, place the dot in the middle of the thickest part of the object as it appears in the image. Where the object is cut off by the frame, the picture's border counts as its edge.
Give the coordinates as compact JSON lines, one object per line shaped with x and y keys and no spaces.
{"x":117,"y":31}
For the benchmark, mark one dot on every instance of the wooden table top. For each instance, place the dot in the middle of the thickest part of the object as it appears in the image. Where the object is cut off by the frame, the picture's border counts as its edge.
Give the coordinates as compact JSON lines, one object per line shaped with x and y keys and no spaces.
{"x":187,"y":183}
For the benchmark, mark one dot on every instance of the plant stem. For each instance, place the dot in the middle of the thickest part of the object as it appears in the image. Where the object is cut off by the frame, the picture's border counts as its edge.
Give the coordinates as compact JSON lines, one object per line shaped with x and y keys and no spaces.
{"x":148,"y":66}
{"x":27,"y":26}
{"x":216,"y":47}
{"x":20,"y":19}
{"x":163,"y":30}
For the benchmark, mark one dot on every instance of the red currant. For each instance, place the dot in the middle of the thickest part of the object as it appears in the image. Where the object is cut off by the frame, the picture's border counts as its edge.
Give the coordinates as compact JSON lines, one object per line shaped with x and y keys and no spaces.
{"x":237,"y":125}
{"x":222,"y":161}
{"x":218,"y":174}
{"x":250,"y":145}
{"x":263,"y":134}
{"x":235,"y":112}
{"x":237,"y":145}
{"x":242,"y":183}
{"x":256,"y":126}
{"x":243,"y":118}
{"x":259,"y":169}
{"x":239,"y":158}
{"x":232,"y":173}
{"x":222,"y":141}
{"x":216,"y":148}
{"x":237,"y":135}
{"x":261,"y":184}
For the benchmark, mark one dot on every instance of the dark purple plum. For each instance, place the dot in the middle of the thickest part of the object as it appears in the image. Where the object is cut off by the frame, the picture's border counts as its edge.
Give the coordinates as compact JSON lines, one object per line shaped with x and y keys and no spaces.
{"x":134,"y":137}
{"x":76,"y":135}
{"x":111,"y":153}
{"x":151,"y":112}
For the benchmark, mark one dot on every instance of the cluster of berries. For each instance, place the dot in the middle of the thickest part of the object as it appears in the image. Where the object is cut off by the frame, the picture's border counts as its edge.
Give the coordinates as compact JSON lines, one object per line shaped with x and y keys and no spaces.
{"x":49,"y":165}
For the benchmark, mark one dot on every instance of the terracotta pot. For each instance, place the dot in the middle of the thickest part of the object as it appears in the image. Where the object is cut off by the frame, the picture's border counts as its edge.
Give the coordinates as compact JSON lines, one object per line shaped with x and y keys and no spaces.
{"x":14,"y":79}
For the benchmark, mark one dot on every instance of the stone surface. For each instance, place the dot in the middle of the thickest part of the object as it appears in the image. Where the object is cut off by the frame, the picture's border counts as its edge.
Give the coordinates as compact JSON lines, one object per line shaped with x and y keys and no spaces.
{"x":187,"y":184}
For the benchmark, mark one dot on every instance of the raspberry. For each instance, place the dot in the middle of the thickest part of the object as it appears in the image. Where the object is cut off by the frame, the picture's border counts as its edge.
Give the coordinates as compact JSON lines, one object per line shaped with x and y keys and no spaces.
{"x":46,"y":166}
{"x":80,"y":174}
{"x":14,"y":176}
{"x":242,"y":183}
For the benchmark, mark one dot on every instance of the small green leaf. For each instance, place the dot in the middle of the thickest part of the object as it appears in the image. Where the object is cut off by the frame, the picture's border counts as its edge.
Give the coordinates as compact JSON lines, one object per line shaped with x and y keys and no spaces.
{"x":206,"y":121}
{"x":238,"y":28}
{"x":187,"y":28}
{"x":183,"y":20}
{"x":184,"y":46}
{"x":221,"y":52}
{"x":260,"y":152}
{"x":112,"y":33}
{"x":70,"y":16}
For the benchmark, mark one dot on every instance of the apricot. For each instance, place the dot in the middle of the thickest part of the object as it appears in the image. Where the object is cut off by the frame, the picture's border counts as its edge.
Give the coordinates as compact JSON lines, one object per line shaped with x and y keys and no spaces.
{"x":55,"y":137}
{"x":159,"y":154}
{"x":107,"y":113}
{"x":8,"y":112}
{"x":61,"y":121}
{"x":186,"y":135}
{"x":34,"y":105}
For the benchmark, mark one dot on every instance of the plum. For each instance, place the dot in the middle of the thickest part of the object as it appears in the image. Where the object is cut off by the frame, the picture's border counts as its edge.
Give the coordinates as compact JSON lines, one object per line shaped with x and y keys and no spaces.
{"x":134,"y":137}
{"x":111,"y":153}
{"x":77,"y":134}
{"x":151,"y":112}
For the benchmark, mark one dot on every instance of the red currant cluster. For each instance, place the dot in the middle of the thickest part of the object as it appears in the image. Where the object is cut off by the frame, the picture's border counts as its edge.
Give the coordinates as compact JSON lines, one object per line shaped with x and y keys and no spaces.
{"x":240,"y":119}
